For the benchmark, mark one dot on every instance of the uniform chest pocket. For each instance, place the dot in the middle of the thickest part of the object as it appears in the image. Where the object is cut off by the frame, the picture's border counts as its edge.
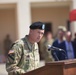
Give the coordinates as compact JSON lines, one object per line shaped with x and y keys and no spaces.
{"x":28,"y":56}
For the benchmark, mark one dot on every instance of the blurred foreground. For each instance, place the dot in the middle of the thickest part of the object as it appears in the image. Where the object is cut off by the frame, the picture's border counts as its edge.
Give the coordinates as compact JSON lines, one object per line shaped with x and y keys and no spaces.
{"x":3,"y":68}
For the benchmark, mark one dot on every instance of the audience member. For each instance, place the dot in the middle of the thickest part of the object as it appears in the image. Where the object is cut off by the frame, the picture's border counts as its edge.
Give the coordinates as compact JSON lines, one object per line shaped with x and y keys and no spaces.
{"x":57,"y":42}
{"x":68,"y":46}
{"x":47,"y":56}
{"x":74,"y":41}
{"x":7,"y":44}
{"x":59,"y":39}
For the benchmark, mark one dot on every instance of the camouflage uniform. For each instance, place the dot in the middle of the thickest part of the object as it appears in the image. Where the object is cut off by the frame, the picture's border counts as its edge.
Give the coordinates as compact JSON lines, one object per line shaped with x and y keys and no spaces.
{"x":22,"y":57}
{"x":47,"y":54}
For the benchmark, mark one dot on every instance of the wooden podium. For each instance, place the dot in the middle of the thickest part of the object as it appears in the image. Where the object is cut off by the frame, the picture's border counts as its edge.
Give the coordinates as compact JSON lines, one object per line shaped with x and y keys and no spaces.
{"x":66,"y":67}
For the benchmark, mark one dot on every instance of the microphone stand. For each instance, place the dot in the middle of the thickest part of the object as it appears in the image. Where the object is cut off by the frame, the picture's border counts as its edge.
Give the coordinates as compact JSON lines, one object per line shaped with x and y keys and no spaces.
{"x":65,"y":54}
{"x":57,"y":59}
{"x":55,"y":56}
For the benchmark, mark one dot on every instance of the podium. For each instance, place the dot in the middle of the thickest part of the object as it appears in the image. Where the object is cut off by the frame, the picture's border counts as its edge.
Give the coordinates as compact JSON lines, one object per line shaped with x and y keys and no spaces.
{"x":66,"y":67}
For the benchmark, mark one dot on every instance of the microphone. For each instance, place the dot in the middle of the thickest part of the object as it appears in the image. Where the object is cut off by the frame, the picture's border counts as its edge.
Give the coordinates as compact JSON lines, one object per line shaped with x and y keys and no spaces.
{"x":59,"y":49}
{"x":54,"y":48}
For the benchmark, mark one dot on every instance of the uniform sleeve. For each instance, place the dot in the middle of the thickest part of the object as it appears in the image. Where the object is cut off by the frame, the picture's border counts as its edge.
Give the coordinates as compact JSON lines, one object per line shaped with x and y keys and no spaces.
{"x":47,"y":54}
{"x":13,"y":59}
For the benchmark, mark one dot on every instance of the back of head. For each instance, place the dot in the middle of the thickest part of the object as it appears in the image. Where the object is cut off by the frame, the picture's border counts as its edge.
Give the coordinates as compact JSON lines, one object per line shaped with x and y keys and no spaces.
{"x":68,"y":36}
{"x":68,"y":33}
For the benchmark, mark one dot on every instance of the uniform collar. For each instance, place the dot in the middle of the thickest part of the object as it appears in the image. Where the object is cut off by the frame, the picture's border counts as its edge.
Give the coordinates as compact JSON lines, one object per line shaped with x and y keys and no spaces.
{"x":30,"y":45}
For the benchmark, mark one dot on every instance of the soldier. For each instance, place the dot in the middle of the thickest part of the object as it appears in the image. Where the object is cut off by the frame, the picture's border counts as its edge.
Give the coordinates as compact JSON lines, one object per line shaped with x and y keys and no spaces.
{"x":46,"y":54}
{"x":24,"y":54}
{"x":7,"y":44}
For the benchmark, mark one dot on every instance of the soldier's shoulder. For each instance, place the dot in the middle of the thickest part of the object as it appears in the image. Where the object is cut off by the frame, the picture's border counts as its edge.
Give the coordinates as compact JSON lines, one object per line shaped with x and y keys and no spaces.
{"x":20,"y":41}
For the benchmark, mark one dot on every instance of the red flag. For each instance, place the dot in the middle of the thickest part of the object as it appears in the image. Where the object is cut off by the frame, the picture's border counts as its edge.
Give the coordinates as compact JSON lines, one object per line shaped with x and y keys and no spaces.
{"x":73,"y":15}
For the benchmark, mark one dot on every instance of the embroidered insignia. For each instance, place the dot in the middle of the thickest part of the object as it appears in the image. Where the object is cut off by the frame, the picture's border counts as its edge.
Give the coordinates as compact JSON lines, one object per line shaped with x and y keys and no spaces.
{"x":43,"y":26}
{"x":11,"y":51}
